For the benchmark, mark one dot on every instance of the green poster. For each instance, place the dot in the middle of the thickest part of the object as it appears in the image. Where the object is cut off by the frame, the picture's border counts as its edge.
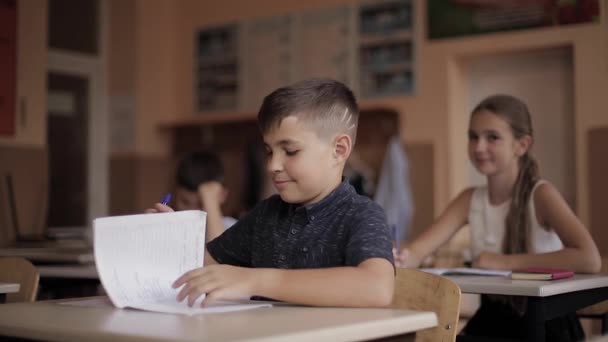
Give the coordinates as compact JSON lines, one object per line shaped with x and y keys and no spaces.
{"x":454,"y":18}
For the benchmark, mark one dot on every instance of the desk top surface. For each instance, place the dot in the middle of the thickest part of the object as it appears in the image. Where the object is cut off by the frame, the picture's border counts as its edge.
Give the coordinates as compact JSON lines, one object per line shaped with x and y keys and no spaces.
{"x":9,"y":288}
{"x":532,"y":288}
{"x":51,"y":320}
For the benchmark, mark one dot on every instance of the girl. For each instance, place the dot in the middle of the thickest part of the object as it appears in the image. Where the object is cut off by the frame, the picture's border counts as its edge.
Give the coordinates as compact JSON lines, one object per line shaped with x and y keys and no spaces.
{"x":516,"y":221}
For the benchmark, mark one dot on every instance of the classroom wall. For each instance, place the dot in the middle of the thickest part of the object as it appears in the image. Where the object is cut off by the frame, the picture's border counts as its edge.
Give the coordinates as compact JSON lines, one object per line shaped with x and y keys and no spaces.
{"x":437,"y":112}
{"x":30,"y":122}
{"x":162,"y":79}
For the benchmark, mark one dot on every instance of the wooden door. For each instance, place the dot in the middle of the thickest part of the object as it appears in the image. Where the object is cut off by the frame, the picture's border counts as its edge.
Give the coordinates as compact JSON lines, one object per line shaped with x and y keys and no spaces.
{"x":8,"y":65}
{"x":68,"y":102}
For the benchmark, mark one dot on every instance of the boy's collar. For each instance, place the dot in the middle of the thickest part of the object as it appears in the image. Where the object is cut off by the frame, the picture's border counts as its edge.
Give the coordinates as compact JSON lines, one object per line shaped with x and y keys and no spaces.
{"x":325,"y":206}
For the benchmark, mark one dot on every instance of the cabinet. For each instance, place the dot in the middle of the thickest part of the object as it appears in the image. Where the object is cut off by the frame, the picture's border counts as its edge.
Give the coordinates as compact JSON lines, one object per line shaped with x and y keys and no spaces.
{"x":8,"y":66}
{"x":386,"y":48}
{"x":216,"y":68}
{"x":368,"y":46}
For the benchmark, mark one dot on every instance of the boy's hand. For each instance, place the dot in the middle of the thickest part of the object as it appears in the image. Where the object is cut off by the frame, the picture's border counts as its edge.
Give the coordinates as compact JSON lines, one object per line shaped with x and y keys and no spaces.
{"x":159,"y":208}
{"x":219,"y":282}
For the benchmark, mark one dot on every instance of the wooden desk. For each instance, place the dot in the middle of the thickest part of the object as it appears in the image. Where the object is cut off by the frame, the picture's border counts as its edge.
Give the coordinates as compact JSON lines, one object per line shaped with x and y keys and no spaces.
{"x":546,"y":299}
{"x":59,"y":253}
{"x":7,"y":288}
{"x":68,"y":281}
{"x":68,"y":271}
{"x":57,"y":322}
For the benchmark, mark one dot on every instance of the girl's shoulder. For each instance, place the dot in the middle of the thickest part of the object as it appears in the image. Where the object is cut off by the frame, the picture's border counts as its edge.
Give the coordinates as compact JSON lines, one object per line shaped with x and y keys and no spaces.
{"x":544,"y":190}
{"x":466,"y":197}
{"x":544,"y":196}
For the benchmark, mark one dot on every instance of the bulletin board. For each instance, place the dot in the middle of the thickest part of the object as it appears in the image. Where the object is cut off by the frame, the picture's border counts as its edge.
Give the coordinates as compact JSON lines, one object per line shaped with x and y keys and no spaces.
{"x":455,"y":18}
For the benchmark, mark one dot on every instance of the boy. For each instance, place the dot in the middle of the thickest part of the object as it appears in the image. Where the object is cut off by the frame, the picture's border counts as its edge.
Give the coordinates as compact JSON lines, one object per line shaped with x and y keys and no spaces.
{"x":317,"y":242}
{"x":199,"y":179}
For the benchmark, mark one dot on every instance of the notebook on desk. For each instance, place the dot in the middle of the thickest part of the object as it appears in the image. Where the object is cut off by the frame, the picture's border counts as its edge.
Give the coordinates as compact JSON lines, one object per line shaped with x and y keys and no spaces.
{"x":538,"y":273}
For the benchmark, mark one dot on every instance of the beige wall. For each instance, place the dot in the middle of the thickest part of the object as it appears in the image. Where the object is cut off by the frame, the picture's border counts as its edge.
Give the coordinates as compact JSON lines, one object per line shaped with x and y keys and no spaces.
{"x":163,"y":42}
{"x":156,"y":75}
{"x":121,"y":51}
{"x":437,"y":113}
{"x":590,"y":82}
{"x":30,"y":123}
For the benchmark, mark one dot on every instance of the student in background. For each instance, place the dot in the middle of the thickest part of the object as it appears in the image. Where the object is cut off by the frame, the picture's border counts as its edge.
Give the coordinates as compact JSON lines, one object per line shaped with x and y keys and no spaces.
{"x":517,"y":221}
{"x":199,"y":186}
{"x":317,"y":242}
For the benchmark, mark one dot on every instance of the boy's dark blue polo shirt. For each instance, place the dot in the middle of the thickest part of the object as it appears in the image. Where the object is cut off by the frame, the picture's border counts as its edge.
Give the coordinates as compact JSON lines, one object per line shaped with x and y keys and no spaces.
{"x":343,"y":229}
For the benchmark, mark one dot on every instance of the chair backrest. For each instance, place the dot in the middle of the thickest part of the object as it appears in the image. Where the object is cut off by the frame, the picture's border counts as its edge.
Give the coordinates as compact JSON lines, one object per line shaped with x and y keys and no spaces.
{"x":418,"y":290}
{"x":21,"y":271}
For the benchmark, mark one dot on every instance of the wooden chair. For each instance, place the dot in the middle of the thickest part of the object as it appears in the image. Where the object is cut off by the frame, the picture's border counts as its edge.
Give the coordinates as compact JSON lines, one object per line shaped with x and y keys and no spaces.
{"x":417,"y":290}
{"x":21,"y":271}
{"x":599,"y":310}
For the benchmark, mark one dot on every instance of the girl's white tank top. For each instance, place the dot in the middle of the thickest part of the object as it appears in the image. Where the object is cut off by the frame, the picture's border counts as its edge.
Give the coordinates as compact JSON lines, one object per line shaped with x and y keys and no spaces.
{"x":487,"y":225}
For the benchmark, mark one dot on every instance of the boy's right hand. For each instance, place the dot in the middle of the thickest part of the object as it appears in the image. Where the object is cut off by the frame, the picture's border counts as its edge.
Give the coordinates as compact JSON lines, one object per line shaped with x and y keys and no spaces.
{"x":159,"y":208}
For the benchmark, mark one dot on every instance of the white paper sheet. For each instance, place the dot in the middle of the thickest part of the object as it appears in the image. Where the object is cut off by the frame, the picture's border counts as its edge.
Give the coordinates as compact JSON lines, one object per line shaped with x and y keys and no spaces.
{"x":138,"y":257}
{"x":459,"y":271}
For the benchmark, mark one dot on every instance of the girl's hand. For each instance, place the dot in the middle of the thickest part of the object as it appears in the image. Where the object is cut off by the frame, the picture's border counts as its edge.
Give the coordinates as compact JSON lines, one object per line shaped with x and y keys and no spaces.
{"x":219,"y":282}
{"x":491,"y":260}
{"x":159,"y":208}
{"x":401,"y":257}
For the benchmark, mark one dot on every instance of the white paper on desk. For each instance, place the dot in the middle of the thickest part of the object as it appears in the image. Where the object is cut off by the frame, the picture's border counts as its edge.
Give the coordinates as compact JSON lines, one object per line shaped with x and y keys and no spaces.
{"x":138,"y":257}
{"x":459,"y":271}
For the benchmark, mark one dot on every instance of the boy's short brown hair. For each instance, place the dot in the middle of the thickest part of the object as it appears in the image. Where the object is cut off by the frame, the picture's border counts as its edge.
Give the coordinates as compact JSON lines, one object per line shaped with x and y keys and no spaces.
{"x":328,"y":106}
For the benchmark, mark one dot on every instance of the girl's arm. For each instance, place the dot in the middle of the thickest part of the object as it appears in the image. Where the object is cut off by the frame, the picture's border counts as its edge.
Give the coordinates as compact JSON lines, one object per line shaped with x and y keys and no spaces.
{"x":579,"y":254}
{"x":449,"y":222}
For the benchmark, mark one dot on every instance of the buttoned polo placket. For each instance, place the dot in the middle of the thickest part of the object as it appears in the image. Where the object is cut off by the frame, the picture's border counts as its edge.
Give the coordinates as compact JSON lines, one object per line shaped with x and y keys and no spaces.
{"x":297,"y":221}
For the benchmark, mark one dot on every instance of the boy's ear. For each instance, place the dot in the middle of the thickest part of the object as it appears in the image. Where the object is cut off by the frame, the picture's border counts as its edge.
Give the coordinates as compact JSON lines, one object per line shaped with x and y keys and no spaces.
{"x":342,"y":147}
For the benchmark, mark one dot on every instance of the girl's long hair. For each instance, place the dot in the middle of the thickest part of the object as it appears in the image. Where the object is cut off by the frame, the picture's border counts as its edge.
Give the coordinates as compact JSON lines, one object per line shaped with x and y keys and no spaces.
{"x":517,"y":223}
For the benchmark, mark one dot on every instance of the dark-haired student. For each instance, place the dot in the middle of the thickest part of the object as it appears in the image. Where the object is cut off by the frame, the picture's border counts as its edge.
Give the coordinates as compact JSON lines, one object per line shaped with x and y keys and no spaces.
{"x":199,"y":186}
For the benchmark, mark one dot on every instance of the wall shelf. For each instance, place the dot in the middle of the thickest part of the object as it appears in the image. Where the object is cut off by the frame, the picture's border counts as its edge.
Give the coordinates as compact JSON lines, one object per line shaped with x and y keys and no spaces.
{"x":226,"y":117}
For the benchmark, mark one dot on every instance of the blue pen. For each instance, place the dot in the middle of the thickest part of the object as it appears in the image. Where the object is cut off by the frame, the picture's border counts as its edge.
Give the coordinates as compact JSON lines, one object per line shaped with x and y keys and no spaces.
{"x":166,"y":199}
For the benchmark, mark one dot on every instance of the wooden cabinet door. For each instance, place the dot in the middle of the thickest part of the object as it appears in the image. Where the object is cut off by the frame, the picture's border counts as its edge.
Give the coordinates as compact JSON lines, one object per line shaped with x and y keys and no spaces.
{"x":8,"y":65}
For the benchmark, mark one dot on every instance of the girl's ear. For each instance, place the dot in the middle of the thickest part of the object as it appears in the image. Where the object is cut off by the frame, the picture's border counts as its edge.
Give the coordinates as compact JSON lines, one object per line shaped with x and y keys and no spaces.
{"x":523,"y":145}
{"x":342,"y":147}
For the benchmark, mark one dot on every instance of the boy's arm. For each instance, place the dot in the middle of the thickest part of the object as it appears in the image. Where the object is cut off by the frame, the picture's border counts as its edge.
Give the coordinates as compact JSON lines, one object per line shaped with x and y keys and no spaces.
{"x":370,"y":284}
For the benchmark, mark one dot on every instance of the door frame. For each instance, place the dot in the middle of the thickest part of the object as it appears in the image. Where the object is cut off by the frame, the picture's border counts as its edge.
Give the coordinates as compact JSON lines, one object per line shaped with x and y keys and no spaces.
{"x":93,"y":68}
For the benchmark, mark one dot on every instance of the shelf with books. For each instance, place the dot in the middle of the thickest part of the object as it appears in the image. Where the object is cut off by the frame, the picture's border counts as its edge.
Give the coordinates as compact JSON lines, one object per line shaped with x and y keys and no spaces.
{"x":385,"y":48}
{"x":224,"y":117}
{"x":216,"y":68}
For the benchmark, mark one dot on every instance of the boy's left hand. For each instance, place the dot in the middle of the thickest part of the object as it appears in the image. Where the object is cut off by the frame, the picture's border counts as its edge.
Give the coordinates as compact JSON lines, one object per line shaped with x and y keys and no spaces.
{"x":491,"y":260}
{"x":219,"y":282}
